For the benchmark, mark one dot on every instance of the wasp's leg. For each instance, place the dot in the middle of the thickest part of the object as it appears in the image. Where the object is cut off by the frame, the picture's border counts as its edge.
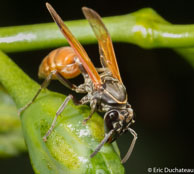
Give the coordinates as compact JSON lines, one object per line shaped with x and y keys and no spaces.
{"x":65,"y":82}
{"x":61,"y":108}
{"x":107,"y":136}
{"x":82,"y":69}
{"x":131,"y":146}
{"x":85,"y":99}
{"x":44,"y":85}
{"x":68,"y":84}
{"x":93,"y":109}
{"x":46,"y":82}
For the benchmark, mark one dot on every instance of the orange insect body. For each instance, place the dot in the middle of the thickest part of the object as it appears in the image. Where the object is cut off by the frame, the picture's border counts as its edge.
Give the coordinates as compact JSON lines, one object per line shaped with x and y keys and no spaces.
{"x":61,"y":60}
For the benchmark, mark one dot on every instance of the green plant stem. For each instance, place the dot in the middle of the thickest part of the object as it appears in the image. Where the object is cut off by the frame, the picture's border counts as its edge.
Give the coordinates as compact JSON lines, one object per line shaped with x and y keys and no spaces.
{"x":16,"y":82}
{"x":187,"y":53}
{"x":144,"y":28}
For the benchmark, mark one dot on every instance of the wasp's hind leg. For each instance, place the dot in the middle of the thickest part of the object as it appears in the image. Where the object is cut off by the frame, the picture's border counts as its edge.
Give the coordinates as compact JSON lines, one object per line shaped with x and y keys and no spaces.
{"x":43,"y":85}
{"x":68,"y":84}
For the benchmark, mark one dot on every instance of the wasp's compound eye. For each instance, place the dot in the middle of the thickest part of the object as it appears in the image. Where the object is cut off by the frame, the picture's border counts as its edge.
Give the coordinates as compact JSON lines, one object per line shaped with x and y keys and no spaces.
{"x":110,"y":118}
{"x":113,"y":115}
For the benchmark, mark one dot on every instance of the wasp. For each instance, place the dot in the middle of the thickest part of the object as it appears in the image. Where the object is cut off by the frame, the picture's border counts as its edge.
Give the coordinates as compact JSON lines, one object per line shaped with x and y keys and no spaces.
{"x":105,"y":91}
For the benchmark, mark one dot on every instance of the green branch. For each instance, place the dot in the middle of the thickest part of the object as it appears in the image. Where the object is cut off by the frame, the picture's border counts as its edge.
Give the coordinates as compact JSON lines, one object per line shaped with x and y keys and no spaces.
{"x":15,"y":81}
{"x":144,"y":28}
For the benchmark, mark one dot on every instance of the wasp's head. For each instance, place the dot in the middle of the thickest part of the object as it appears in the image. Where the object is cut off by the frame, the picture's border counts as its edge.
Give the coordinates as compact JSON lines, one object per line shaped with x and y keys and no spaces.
{"x":118,"y":120}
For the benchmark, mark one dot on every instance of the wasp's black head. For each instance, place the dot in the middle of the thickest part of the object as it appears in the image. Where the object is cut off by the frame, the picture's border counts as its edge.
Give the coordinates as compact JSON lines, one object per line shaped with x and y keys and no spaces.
{"x":119,"y":120}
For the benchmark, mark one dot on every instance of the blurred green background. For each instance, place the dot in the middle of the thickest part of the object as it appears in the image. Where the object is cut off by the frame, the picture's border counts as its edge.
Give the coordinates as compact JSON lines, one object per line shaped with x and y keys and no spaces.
{"x":160,"y":83}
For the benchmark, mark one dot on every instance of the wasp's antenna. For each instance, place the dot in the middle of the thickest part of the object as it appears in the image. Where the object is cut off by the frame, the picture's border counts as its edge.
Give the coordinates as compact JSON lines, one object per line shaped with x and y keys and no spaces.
{"x":128,"y":154}
{"x":102,"y":142}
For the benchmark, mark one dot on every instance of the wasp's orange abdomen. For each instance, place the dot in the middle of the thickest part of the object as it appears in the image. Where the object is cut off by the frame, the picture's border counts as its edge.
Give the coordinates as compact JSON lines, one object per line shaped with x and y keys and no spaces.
{"x":61,"y":60}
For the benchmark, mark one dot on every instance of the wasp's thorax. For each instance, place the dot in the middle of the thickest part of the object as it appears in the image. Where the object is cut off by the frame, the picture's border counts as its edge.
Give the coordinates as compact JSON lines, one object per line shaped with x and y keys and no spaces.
{"x":111,"y":95}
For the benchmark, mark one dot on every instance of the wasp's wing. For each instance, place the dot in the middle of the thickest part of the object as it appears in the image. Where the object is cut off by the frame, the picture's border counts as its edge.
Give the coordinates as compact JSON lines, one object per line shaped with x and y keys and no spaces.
{"x":79,"y":50}
{"x":107,"y":54}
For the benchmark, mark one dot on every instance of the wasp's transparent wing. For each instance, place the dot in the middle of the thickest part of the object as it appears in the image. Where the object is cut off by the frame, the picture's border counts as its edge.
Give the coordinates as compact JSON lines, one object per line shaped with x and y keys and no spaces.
{"x":79,"y":50}
{"x":108,"y":58}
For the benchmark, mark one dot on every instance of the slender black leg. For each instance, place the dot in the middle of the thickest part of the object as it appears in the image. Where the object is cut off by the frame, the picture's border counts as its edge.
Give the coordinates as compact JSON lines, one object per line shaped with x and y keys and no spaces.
{"x":61,"y":108}
{"x":93,"y":109}
{"x":82,"y":69}
{"x":131,"y":146}
{"x":44,"y":85}
{"x":65,"y":82}
{"x":68,"y":84}
{"x":107,"y":136}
